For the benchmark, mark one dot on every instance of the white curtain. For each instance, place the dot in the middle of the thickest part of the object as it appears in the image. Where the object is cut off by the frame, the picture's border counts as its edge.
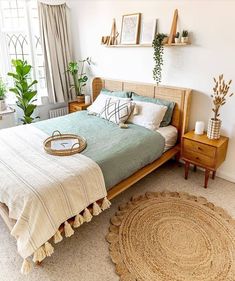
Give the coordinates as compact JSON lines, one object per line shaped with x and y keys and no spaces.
{"x":56,"y":43}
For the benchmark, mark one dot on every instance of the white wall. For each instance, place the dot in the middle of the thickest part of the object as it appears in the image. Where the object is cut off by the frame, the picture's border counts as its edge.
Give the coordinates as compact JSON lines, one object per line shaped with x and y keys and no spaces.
{"x":212,"y":51}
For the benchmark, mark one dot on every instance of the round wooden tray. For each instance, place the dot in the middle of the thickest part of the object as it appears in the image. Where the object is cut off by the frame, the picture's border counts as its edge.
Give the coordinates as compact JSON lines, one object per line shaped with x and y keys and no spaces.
{"x":56,"y":136}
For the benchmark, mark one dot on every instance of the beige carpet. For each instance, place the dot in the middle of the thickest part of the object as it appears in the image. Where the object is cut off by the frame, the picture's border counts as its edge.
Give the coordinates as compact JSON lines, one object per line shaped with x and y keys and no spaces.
{"x":172,"y":236}
{"x":85,"y":256}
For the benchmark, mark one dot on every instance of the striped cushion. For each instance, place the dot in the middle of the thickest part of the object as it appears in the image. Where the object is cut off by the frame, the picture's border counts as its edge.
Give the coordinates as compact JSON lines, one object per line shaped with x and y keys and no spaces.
{"x":116,"y":111}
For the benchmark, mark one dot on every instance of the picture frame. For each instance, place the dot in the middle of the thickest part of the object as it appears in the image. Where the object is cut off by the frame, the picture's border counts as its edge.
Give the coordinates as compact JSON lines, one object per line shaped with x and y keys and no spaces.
{"x":148,"y":31}
{"x":130,"y":30}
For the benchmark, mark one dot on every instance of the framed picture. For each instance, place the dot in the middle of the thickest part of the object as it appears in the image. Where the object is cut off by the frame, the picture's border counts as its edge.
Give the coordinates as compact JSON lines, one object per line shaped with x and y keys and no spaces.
{"x":130,"y":30}
{"x":148,"y":31}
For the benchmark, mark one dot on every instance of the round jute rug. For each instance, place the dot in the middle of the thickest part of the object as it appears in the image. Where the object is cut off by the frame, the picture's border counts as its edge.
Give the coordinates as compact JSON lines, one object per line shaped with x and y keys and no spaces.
{"x":172,"y":236}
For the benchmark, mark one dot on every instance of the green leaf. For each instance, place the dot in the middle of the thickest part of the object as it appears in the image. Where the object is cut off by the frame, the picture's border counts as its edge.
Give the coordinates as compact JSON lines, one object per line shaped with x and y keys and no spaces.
{"x":30,"y":109}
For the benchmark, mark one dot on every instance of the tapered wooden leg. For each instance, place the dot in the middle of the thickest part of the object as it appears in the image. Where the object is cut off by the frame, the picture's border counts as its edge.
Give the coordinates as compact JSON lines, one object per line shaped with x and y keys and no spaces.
{"x":207,"y":174}
{"x":195,"y":168}
{"x":213,"y":174}
{"x":39,"y":263}
{"x":186,"y":169}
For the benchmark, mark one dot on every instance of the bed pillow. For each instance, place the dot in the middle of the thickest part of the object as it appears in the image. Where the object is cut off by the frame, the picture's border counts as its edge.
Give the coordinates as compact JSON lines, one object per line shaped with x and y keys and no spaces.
{"x":99,"y":103}
{"x":170,"y":107}
{"x":117,"y":110}
{"x":150,"y":115}
{"x":119,"y":94}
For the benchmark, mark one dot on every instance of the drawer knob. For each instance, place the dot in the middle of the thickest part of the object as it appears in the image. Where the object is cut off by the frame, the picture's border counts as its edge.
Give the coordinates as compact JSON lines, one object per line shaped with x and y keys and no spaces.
{"x":197,"y":158}
{"x":199,"y":148}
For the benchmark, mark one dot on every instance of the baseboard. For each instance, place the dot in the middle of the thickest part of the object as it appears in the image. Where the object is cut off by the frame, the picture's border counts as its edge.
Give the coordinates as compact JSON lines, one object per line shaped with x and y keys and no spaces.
{"x":226,"y":176}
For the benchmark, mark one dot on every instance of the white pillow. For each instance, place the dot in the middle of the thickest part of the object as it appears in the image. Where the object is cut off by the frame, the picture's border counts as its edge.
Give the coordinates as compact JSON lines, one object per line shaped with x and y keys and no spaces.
{"x":149,"y":115}
{"x":99,"y":103}
{"x":117,"y":110}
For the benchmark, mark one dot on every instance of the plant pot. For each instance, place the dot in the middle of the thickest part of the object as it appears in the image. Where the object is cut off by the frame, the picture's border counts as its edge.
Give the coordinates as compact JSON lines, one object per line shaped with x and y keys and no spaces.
{"x":2,"y":105}
{"x":184,"y":39}
{"x":177,"y":40}
{"x":213,"y":131}
{"x":81,"y":99}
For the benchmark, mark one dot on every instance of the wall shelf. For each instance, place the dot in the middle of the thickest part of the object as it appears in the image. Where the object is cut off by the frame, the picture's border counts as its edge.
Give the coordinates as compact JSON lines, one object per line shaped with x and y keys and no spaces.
{"x":145,"y":45}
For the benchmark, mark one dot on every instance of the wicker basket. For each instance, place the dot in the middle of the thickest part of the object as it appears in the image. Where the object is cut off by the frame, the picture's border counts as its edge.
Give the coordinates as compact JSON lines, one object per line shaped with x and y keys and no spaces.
{"x":213,"y":131}
{"x":79,"y":146}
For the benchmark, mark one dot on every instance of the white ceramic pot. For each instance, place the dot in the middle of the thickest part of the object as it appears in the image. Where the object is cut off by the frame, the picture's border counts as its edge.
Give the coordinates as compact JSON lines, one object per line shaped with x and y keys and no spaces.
{"x":2,"y":105}
{"x":177,"y":40}
{"x":184,"y":39}
{"x":213,"y":130}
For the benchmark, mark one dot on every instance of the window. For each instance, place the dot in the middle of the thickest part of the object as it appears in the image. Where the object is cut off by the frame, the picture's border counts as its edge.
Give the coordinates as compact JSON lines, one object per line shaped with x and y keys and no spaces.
{"x":20,"y":39}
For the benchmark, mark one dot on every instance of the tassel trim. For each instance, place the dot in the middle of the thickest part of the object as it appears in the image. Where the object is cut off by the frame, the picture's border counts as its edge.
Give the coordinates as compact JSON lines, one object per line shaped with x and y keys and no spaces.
{"x":105,"y":204}
{"x":26,"y":267}
{"x":87,"y":215}
{"x":96,"y":209}
{"x":58,"y":237}
{"x":68,"y":229}
{"x":49,"y":249}
{"x":39,"y":255}
{"x":78,"y":221}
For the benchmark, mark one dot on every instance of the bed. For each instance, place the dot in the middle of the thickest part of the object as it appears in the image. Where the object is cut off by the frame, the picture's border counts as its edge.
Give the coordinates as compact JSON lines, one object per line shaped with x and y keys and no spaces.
{"x":127,"y":166}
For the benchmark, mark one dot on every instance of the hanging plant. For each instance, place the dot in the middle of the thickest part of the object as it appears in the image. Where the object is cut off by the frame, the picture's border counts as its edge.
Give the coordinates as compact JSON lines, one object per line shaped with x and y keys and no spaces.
{"x":158,"y":56}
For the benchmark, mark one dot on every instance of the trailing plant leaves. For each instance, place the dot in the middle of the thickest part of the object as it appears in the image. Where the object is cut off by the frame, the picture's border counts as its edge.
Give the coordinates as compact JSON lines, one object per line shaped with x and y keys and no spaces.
{"x":158,"y":56}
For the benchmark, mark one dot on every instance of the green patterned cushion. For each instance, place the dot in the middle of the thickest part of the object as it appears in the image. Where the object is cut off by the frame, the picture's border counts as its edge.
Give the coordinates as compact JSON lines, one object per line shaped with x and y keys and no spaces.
{"x":170,"y":107}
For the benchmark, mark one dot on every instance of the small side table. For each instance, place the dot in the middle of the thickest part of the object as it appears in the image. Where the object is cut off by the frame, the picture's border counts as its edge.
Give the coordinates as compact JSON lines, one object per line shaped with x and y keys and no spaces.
{"x":77,"y":106}
{"x":203,"y":152}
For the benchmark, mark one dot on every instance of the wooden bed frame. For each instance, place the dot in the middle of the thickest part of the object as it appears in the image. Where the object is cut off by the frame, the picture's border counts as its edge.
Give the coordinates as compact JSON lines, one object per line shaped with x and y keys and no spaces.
{"x":180,"y":118}
{"x":180,"y":96}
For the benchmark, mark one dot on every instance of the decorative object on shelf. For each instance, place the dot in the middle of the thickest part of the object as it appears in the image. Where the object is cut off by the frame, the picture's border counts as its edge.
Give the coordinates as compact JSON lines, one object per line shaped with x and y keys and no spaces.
{"x":130,"y":31}
{"x":220,"y":92}
{"x":79,"y":78}
{"x":177,"y":38}
{"x":158,"y":45}
{"x":199,"y":128}
{"x":173,"y":27}
{"x":3,"y":90}
{"x":184,"y":37}
{"x":148,"y":31}
{"x":64,"y":144}
{"x":112,"y":38}
{"x":24,"y":90}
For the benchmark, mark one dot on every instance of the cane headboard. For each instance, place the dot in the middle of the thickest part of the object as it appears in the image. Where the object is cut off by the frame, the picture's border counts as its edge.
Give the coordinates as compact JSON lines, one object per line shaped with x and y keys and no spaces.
{"x":181,"y":97}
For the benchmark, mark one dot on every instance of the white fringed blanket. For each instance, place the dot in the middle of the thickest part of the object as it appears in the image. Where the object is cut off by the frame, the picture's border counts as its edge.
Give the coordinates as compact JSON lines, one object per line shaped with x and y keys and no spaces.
{"x":44,"y":191}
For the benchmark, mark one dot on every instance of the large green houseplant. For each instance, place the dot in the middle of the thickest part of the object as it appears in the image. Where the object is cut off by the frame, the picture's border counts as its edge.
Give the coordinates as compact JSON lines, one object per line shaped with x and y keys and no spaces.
{"x":76,"y":69}
{"x":158,"y":46}
{"x":24,"y":90}
{"x":3,"y":90}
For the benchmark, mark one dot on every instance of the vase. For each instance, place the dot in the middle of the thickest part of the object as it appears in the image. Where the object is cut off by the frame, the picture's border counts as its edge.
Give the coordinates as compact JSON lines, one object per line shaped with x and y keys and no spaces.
{"x":81,"y":99}
{"x":184,"y":39}
{"x":213,"y":131}
{"x":177,"y":40}
{"x":2,"y":105}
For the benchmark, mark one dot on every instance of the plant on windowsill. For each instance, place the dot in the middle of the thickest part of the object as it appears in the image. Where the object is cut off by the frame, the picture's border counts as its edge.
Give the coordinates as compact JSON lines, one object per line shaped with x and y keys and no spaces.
{"x":3,"y":91}
{"x":220,"y":92}
{"x":79,"y":78}
{"x":158,"y":46}
{"x":24,"y":89}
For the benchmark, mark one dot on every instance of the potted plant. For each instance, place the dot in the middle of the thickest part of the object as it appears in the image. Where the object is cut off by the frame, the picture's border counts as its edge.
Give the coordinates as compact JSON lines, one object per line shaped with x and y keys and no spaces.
{"x":184,"y":37}
{"x":177,"y":38}
{"x":23,"y":89}
{"x":79,"y":77}
{"x":3,"y":91}
{"x":158,"y":46}
{"x":220,"y":92}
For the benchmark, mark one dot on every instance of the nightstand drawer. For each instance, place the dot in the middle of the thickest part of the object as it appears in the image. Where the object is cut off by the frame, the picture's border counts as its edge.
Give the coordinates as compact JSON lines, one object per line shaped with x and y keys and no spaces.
{"x":190,"y":145}
{"x":199,"y":158}
{"x":74,"y":108}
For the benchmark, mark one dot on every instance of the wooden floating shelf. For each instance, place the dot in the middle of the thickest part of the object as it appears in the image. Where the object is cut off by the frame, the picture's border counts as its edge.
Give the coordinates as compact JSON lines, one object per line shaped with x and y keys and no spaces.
{"x":145,"y":45}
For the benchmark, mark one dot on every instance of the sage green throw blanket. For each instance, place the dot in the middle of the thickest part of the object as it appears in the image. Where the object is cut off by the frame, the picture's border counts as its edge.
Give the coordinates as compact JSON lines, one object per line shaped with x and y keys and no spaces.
{"x":118,"y":152}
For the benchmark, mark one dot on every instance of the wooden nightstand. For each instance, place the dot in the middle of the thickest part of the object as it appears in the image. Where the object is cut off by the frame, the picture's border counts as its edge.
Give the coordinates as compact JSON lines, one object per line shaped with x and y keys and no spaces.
{"x":77,"y":106}
{"x":203,"y":152}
